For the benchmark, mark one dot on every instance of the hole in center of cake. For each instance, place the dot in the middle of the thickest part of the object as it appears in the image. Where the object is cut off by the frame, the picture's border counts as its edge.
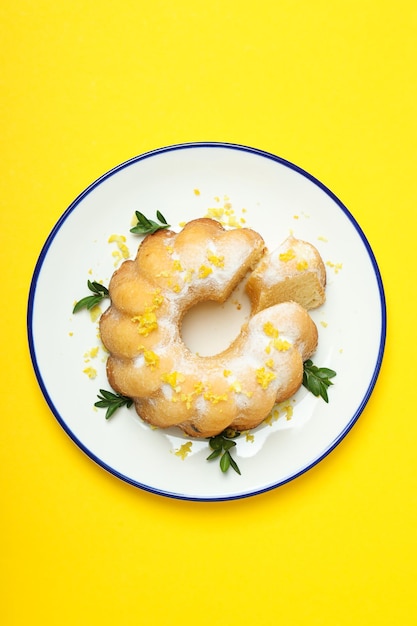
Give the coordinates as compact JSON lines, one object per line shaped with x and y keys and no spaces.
{"x":210,"y":327}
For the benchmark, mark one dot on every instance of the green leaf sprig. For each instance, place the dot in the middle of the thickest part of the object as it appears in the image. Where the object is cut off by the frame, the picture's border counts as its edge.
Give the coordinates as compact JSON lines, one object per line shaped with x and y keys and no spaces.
{"x":112,"y":402}
{"x":317,"y":379}
{"x":99,"y":292}
{"x":221,"y":445}
{"x":146,"y":226}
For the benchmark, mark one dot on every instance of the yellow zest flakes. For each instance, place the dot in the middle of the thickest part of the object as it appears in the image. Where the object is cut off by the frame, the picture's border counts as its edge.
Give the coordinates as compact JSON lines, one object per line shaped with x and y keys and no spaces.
{"x":204,"y":271}
{"x":157,"y":299}
{"x":233,"y":222}
{"x":225,"y":214}
{"x":226,"y":211}
{"x":264,"y":378}
{"x":196,"y":192}
{"x":95,"y":313}
{"x":184,"y":450}
{"x":322,"y":238}
{"x":284,"y":408}
{"x":270,"y":330}
{"x":146,"y":322}
{"x":249,"y":436}
{"x":169,"y":249}
{"x":287,"y":256}
{"x":117,"y":257}
{"x":215,"y":398}
{"x":119,"y":239}
{"x":187,"y":398}
{"x":173,"y":379}
{"x":123,"y":250}
{"x":279,"y":344}
{"x":151,"y":359}
{"x":215,"y":212}
{"x":302,"y":265}
{"x":324,"y":324}
{"x":116,"y":238}
{"x":336,"y":266}
{"x":90,"y":354}
{"x":218,"y":261}
{"x":272,"y":417}
{"x":226,"y":373}
{"x":288,"y":411}
{"x":90,"y":371}
{"x":177,"y":266}
{"x":282,"y":345}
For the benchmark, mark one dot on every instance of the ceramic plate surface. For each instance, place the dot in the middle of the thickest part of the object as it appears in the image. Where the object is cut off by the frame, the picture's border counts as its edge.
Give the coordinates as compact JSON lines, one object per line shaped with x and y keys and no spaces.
{"x":239,"y":185}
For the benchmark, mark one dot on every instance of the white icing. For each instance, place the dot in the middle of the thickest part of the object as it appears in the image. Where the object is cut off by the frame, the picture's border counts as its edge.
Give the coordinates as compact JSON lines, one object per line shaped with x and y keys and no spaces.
{"x":139,"y":361}
{"x":200,"y":405}
{"x":274,"y":269}
{"x":167,"y":391}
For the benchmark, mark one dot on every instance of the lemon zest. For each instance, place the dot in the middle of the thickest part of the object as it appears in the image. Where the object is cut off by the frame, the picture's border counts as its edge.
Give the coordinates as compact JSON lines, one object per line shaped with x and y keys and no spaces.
{"x":184,"y":450}
{"x":287,"y":256}
{"x":264,"y":378}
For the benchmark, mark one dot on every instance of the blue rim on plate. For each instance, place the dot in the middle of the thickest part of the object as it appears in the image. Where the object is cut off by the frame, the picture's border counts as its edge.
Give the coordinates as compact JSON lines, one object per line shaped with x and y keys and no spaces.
{"x":150,"y":155}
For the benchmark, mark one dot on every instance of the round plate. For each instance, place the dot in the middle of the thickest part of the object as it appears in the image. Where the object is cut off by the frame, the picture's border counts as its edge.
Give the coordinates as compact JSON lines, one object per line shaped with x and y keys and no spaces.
{"x":240,"y":186}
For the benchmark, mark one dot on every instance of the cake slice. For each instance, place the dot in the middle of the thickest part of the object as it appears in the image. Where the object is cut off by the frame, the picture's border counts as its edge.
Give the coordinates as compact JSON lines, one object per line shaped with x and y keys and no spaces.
{"x":293,"y":272}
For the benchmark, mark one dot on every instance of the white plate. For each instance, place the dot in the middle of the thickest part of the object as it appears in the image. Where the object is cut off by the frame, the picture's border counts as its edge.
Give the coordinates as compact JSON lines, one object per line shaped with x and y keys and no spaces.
{"x":183,"y":181}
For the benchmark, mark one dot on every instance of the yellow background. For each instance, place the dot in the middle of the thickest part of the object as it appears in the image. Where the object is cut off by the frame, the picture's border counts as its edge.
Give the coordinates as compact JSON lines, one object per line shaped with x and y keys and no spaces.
{"x":330,"y":86}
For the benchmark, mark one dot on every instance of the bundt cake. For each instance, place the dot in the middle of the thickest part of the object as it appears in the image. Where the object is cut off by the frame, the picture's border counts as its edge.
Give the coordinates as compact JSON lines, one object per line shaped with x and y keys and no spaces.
{"x":148,"y":360}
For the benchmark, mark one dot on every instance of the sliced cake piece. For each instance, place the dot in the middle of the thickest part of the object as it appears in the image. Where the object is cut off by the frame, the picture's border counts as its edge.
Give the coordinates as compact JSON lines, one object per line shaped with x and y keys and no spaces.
{"x":293,"y":272}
